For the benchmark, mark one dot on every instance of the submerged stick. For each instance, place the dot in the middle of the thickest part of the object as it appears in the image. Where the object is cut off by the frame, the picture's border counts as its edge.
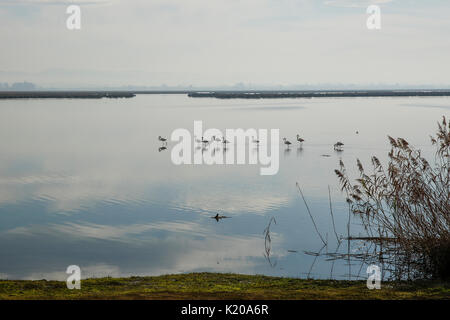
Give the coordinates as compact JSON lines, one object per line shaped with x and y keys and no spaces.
{"x":312,"y":219}
{"x":332,"y":216}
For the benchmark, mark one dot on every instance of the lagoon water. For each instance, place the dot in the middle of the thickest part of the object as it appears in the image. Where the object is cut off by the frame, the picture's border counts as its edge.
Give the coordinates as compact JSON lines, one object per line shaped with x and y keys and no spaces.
{"x":83,"y":182}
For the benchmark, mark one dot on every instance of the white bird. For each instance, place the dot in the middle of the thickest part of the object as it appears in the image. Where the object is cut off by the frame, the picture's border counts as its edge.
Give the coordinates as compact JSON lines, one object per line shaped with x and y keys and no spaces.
{"x":287,"y":142}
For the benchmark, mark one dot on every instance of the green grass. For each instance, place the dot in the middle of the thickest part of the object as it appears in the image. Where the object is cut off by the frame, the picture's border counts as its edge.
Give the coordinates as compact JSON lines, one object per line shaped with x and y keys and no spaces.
{"x":219,"y":286}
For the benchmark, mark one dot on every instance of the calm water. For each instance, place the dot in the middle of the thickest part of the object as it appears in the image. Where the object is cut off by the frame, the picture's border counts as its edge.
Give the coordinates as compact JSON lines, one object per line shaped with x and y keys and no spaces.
{"x":83,"y":182}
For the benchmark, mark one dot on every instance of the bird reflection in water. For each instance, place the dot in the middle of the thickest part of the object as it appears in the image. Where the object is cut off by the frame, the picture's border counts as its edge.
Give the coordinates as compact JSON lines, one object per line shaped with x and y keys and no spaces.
{"x":287,"y":151}
{"x":255,"y":150}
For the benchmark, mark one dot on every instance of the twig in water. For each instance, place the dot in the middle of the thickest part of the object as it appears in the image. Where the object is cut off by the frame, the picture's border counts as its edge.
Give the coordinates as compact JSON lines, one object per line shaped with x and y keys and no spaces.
{"x":268,"y":242}
{"x":312,"y":219}
{"x":332,"y":217}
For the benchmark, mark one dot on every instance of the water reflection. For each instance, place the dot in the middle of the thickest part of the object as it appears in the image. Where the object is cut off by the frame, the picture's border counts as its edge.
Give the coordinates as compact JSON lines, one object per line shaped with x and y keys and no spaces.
{"x":78,"y":189}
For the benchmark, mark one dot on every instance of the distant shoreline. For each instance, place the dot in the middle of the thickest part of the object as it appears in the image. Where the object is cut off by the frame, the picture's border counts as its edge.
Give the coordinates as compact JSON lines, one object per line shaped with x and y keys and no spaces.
{"x":261,"y":94}
{"x":320,"y":94}
{"x":64,"y":94}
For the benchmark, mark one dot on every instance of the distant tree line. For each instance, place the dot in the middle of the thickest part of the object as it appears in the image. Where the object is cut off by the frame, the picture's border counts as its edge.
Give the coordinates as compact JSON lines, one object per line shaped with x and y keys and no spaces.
{"x":17,"y":86}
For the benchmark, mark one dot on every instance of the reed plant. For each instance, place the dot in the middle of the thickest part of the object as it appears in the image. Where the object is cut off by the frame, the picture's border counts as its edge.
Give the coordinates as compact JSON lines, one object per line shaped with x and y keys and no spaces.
{"x":406,"y":204}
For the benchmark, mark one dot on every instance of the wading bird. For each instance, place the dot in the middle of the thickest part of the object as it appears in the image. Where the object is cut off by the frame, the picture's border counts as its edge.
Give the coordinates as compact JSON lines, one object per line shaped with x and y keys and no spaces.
{"x":338,"y":145}
{"x":163,"y":140}
{"x":300,"y":139}
{"x":287,"y":142}
{"x":204,"y":141}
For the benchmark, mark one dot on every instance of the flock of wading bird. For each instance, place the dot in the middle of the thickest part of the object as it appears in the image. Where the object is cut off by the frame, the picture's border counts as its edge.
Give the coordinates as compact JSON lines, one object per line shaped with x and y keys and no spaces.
{"x":337,"y":146}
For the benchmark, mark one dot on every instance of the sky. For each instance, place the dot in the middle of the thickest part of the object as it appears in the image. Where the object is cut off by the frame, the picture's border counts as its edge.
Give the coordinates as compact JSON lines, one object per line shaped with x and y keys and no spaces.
{"x":224,"y":42}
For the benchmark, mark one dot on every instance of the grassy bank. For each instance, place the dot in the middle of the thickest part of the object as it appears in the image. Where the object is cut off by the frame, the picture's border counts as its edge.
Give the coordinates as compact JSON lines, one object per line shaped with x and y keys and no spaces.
{"x":219,"y":286}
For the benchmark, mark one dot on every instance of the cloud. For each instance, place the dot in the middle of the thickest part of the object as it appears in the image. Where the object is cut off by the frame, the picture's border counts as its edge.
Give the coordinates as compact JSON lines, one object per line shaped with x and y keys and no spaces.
{"x":355,"y":3}
{"x":52,"y":2}
{"x":123,"y":233}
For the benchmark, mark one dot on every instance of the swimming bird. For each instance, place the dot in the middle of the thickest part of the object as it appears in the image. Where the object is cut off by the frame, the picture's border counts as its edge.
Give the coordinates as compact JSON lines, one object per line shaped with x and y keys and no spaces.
{"x":218,"y":217}
{"x":287,"y":142}
{"x":338,"y":145}
{"x":162,"y":149}
{"x":300,"y":139}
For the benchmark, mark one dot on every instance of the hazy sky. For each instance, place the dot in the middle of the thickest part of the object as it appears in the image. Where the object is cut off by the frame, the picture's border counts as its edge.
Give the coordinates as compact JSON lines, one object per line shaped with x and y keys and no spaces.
{"x":222,"y":42}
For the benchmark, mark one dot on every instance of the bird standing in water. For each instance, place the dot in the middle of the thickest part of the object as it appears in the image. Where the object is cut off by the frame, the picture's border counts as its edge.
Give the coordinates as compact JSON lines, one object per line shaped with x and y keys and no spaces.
{"x":163,"y":140}
{"x":338,"y":145}
{"x":287,"y":142}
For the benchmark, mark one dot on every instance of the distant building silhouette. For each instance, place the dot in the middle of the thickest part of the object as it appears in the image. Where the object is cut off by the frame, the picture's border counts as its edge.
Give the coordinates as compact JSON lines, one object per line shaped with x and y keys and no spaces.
{"x":18,"y":86}
{"x":23,"y":86}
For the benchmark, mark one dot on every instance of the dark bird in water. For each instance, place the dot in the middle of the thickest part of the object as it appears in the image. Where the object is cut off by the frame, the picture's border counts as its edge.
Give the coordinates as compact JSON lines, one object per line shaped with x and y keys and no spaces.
{"x":225,"y":141}
{"x":218,"y":217}
{"x":161,"y":149}
{"x":163,"y":140}
{"x":338,"y":145}
{"x":287,"y":142}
